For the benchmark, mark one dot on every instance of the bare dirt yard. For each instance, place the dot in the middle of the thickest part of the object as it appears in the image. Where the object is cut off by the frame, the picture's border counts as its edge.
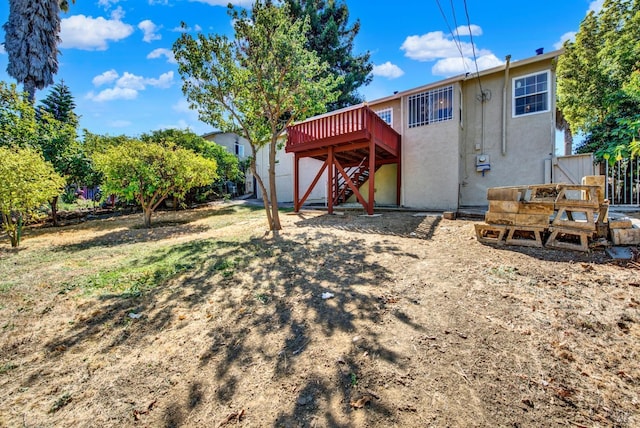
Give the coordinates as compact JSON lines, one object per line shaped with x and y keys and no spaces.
{"x":205,"y":321}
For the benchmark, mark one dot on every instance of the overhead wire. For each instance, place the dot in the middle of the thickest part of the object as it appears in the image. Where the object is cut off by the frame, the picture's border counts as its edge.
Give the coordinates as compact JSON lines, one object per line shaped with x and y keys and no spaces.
{"x":473,"y":47}
{"x":456,"y":41}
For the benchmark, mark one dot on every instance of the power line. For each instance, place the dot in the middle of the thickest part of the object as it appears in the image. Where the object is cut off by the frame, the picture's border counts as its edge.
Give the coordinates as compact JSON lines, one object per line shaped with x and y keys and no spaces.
{"x":456,"y":41}
{"x":473,"y":47}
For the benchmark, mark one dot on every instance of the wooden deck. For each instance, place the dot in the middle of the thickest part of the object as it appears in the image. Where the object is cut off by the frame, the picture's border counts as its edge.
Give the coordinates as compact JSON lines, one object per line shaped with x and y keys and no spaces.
{"x":352,"y":144}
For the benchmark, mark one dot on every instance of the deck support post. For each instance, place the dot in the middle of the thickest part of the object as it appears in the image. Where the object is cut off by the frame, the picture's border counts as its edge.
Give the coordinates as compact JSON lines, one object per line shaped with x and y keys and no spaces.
{"x":330,"y":180}
{"x":399,"y":174}
{"x":372,"y":172}
{"x":296,"y":182}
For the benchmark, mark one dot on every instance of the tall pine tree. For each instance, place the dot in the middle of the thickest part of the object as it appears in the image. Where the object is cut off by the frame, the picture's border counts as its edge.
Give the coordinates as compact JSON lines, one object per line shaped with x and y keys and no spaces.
{"x":332,"y":38}
{"x":60,"y":104}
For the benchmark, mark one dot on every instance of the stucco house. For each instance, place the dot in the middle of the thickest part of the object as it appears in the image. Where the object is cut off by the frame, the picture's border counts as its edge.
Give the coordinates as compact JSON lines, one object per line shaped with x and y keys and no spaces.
{"x":439,"y":146}
{"x":240,"y":147}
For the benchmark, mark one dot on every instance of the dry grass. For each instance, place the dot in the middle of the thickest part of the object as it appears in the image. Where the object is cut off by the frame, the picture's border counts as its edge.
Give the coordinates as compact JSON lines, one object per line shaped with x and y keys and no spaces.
{"x":205,"y":320}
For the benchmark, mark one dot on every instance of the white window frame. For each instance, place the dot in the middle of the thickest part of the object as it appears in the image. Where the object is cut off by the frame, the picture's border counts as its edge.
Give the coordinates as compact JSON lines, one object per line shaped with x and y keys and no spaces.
{"x":388,"y":110}
{"x":429,"y":114}
{"x":546,"y":92}
{"x":239,"y":149}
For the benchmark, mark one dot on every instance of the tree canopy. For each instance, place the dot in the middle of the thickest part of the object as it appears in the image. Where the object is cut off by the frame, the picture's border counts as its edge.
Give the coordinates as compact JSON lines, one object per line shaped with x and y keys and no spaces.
{"x":31,"y":40}
{"x":148,"y":172}
{"x":28,"y":182}
{"x":60,"y":104}
{"x":227,"y":169}
{"x":18,"y":125}
{"x":256,"y":84}
{"x":332,"y":38}
{"x":597,"y":77}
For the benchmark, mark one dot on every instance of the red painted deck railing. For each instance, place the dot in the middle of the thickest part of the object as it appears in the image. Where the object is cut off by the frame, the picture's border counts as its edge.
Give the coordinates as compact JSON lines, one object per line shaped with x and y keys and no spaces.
{"x":342,"y":127}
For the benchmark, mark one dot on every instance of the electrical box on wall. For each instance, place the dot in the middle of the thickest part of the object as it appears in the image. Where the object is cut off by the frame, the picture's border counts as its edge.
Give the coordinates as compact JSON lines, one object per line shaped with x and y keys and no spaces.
{"x":482,"y":163}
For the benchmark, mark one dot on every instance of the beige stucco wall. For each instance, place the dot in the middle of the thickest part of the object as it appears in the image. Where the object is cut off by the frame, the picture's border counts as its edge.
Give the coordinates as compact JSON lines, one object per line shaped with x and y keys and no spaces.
{"x":429,"y":160}
{"x":385,"y":186}
{"x":529,"y":138}
{"x":284,"y":176}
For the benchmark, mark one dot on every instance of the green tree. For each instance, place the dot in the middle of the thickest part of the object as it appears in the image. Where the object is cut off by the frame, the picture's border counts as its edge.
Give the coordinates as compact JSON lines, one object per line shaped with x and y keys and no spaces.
{"x":332,"y":38}
{"x":228,"y":168}
{"x":18,"y":125}
{"x":60,"y":104}
{"x":149,"y":172}
{"x":57,"y":124}
{"x":31,"y":40}
{"x":27,"y":183}
{"x":593,"y":74}
{"x":257,"y":84}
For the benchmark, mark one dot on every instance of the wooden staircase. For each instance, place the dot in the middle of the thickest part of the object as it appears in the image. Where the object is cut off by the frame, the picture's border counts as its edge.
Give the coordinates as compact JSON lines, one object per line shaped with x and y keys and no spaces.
{"x":358,"y":174}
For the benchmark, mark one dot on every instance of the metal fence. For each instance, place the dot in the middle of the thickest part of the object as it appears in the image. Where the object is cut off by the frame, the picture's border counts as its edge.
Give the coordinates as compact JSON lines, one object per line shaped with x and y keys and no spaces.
{"x":623,"y":182}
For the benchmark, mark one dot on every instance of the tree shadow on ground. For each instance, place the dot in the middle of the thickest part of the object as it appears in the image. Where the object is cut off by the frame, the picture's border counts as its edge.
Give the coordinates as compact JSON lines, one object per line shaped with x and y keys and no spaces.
{"x":405,"y":224}
{"x":282,"y":281}
{"x":597,"y":256}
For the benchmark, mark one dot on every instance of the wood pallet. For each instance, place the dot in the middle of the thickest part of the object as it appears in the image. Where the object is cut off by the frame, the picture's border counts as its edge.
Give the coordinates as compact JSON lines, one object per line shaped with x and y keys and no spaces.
{"x":566,"y":238}
{"x":490,"y":233}
{"x":528,"y":236}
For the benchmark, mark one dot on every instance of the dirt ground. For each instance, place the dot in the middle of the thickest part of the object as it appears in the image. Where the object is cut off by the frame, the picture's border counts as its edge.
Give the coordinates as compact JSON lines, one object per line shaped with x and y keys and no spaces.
{"x":425,"y":326}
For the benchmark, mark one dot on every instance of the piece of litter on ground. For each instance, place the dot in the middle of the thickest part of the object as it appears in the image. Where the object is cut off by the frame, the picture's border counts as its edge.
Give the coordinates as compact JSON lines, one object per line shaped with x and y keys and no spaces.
{"x":134,"y":316}
{"x":619,"y":253}
{"x":327,"y":295}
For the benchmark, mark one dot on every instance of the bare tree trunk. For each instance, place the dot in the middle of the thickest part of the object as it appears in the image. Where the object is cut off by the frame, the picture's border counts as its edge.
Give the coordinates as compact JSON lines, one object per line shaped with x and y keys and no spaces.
{"x":275,"y":215}
{"x":568,"y":140}
{"x":263,"y":189}
{"x":30,"y":88}
{"x":54,"y":210}
{"x":147,"y":212}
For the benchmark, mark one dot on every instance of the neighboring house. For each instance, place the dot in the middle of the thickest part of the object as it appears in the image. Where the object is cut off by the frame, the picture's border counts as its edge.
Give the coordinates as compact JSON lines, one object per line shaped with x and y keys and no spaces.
{"x":240,"y":147}
{"x":447,"y":143}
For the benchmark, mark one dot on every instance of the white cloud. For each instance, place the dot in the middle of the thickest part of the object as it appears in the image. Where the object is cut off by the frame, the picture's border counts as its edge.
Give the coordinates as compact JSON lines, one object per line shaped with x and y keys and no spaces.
{"x":195,"y":28}
{"x":120,"y":123}
{"x":117,"y":14}
{"x":88,"y":33}
{"x":150,"y":31}
{"x":571,"y":35}
{"x":107,"y":3}
{"x":471,"y":30}
{"x":457,"y":65}
{"x":241,"y":3}
{"x":163,"y":2}
{"x":595,"y":6}
{"x":2,"y":50}
{"x":126,"y":86}
{"x":434,"y":45}
{"x":160,"y":52}
{"x":182,"y":106}
{"x":106,"y":77}
{"x":164,"y":81}
{"x":113,"y":94}
{"x":387,"y":70}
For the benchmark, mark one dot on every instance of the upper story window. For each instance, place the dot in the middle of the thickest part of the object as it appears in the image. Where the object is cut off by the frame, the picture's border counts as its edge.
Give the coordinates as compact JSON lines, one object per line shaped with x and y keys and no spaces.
{"x":431,"y":106}
{"x":239,"y":149}
{"x":531,"y":94}
{"x":386,"y":115}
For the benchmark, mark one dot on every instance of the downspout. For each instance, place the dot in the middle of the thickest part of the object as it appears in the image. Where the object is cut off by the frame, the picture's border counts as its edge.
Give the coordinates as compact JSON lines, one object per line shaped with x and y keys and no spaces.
{"x":402,"y":159}
{"x":504,"y":104}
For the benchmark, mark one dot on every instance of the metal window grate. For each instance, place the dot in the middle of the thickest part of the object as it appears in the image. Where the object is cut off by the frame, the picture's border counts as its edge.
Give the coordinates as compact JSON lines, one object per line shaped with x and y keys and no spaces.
{"x":431,"y":106}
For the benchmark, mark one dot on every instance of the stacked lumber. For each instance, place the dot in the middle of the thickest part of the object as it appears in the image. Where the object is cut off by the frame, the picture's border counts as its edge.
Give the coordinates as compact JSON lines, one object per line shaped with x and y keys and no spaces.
{"x":623,"y":232}
{"x":561,"y":216}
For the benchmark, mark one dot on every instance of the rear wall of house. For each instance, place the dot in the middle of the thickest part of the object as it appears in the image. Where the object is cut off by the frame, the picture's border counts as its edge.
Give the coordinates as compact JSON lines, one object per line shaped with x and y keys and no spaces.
{"x":529,"y":137}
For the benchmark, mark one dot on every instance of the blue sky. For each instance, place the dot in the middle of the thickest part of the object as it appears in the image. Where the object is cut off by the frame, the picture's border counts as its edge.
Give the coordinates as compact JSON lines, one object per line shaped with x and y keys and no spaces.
{"x":116,"y":54}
